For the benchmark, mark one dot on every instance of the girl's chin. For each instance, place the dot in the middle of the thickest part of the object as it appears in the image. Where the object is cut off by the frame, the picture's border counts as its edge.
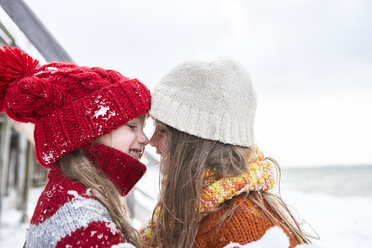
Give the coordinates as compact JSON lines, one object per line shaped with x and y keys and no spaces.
{"x":134,"y":156}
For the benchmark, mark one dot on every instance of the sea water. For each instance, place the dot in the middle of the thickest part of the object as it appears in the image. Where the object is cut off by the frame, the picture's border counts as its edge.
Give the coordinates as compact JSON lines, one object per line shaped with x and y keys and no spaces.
{"x":335,"y":180}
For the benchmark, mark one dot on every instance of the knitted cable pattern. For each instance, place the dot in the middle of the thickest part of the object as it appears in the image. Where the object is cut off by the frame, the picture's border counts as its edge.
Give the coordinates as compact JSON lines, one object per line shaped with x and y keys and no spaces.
{"x":247,"y":224}
{"x":70,"y":105}
{"x":258,"y":177}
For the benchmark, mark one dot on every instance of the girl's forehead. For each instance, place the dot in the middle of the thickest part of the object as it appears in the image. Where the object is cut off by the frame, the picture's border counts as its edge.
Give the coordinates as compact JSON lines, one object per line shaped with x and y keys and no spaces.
{"x":141,"y":118}
{"x":158,"y":123}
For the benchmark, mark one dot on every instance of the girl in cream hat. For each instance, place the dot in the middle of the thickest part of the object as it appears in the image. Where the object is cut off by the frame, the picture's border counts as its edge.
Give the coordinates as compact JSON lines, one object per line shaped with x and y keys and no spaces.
{"x":216,"y":183}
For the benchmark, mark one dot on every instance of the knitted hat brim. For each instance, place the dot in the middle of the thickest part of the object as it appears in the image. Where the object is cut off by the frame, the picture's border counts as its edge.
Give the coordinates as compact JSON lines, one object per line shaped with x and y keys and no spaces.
{"x":86,"y":119}
{"x":207,"y":125}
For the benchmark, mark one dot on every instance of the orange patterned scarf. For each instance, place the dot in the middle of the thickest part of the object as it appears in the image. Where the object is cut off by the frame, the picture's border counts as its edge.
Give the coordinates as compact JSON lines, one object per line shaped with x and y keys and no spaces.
{"x":258,"y":177}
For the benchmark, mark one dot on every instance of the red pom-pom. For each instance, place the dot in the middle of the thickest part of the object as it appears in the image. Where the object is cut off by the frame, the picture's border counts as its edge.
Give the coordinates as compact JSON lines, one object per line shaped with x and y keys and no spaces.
{"x":14,"y":64}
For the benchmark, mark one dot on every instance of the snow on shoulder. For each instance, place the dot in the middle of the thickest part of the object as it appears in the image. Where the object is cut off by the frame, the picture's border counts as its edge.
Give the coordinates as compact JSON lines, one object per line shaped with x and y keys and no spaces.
{"x":273,"y":238}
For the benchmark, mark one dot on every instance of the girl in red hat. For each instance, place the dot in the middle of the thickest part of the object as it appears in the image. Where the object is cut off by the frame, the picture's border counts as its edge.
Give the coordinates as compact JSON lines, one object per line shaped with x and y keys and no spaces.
{"x":89,"y":133}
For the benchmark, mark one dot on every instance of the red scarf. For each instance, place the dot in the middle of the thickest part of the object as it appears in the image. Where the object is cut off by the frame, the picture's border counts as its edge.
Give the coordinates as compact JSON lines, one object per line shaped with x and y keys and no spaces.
{"x":123,"y":170}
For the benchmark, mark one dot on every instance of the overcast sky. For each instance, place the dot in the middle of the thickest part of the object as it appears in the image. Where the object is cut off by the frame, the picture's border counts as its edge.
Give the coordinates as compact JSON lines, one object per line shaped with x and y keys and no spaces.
{"x":310,"y":60}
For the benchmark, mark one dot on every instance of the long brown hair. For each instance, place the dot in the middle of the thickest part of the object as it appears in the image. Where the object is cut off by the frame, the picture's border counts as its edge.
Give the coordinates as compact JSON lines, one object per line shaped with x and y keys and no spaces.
{"x":183,"y":167}
{"x":76,"y":166}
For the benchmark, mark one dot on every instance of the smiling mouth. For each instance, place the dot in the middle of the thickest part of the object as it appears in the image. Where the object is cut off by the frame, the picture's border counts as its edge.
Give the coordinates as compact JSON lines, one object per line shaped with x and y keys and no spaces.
{"x":137,"y":154}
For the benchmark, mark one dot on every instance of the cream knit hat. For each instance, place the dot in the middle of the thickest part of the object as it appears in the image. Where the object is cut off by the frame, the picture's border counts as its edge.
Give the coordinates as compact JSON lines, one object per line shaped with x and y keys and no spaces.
{"x":212,"y":100}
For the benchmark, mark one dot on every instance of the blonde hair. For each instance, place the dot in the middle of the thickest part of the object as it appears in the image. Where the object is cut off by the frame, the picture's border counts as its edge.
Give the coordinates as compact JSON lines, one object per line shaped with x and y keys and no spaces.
{"x":186,"y":160}
{"x":77,"y":167}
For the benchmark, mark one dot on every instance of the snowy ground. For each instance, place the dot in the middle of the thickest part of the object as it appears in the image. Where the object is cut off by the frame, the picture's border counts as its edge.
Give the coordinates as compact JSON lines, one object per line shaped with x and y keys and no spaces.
{"x":339,"y":221}
{"x":12,"y":232}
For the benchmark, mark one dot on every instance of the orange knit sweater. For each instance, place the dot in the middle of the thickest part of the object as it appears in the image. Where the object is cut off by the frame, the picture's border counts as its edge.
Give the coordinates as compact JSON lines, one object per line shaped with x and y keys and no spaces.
{"x":247,"y":224}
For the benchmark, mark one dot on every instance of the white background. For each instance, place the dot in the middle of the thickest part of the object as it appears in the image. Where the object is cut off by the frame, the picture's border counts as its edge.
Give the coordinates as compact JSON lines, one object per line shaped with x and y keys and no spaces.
{"x":310,"y":60}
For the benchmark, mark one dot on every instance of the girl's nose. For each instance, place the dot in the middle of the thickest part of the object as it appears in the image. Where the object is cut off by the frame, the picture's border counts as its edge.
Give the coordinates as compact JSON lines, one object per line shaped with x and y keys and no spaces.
{"x":153,"y":140}
{"x":142,"y":139}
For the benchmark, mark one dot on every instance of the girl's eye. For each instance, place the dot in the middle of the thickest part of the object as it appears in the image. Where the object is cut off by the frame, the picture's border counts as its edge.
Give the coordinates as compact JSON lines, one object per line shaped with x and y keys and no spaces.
{"x":162,"y":131}
{"x":131,"y":126}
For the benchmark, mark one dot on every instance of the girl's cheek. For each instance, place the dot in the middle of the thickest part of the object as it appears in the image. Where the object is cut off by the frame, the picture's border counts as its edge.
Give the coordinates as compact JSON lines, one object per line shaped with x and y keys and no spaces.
{"x":163,"y":144}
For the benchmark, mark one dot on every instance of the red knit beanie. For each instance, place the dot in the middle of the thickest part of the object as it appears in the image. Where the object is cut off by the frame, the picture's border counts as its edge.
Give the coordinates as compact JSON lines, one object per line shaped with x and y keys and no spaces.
{"x":70,"y":105}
